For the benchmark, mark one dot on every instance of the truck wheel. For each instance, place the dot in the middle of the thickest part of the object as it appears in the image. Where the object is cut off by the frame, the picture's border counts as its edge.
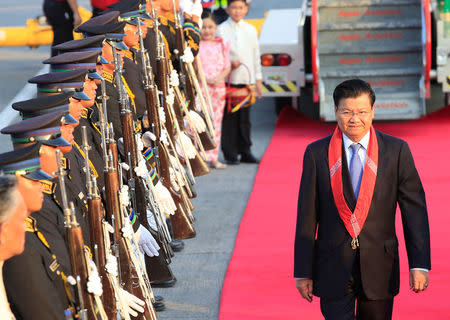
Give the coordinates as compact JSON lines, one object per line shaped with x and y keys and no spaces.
{"x":282,"y":102}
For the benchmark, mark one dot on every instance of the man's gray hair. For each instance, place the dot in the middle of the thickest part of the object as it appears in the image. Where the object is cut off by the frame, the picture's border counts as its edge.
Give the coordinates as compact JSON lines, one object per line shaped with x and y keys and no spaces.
{"x":8,"y":202}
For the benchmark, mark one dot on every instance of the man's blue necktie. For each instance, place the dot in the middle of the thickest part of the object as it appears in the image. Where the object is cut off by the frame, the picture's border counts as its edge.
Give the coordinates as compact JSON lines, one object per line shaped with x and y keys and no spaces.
{"x":356,"y":168}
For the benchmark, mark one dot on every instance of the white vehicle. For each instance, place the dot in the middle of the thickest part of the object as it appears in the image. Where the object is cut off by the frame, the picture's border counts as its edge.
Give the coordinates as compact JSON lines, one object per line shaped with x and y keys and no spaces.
{"x":282,"y":54}
{"x":308,"y":50}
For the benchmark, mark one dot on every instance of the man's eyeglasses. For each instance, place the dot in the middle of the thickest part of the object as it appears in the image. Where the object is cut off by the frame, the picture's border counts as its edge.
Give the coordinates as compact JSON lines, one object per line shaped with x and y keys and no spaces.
{"x":350,"y":114}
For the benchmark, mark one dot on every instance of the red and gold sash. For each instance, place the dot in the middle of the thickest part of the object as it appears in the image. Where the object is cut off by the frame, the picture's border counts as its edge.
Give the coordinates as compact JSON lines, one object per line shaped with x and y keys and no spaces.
{"x":353,"y":221}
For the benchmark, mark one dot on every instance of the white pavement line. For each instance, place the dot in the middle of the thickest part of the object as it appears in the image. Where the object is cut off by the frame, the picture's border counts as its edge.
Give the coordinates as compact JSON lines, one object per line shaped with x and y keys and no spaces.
{"x":28,"y":92}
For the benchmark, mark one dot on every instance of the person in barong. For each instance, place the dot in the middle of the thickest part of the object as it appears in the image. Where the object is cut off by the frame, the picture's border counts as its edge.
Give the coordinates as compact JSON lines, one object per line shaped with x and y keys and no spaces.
{"x":346,"y":248}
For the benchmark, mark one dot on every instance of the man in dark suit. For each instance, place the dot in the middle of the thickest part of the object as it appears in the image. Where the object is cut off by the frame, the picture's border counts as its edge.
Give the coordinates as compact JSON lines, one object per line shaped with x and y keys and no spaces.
{"x":346,"y":249}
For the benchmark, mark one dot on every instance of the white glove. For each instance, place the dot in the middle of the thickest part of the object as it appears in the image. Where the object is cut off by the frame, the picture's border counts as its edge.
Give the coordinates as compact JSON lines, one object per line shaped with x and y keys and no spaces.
{"x":147,"y":244}
{"x":148,"y":138}
{"x":132,"y":304}
{"x":164,"y":199}
{"x":197,"y":8}
{"x":186,"y":6}
{"x":197,"y":122}
{"x":188,"y":147}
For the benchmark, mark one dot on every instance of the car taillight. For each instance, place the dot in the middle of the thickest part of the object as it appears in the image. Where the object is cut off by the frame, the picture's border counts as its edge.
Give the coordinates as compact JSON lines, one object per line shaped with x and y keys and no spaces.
{"x":267,"y":60}
{"x":284,"y":59}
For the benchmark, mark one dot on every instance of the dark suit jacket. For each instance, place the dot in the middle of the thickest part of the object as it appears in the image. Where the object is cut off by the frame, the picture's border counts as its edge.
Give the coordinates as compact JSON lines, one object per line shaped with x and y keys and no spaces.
{"x":322,"y":244}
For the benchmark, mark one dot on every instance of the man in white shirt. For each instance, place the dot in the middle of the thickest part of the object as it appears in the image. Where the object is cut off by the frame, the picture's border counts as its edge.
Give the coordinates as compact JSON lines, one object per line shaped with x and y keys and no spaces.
{"x":246,"y":70}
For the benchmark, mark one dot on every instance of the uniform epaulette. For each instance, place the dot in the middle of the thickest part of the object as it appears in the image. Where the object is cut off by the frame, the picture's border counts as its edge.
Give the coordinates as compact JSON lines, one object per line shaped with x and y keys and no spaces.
{"x":108,"y":76}
{"x":84,"y":113}
{"x":48,"y":186}
{"x":129,"y":55}
{"x":65,"y":163}
{"x":30,"y":225}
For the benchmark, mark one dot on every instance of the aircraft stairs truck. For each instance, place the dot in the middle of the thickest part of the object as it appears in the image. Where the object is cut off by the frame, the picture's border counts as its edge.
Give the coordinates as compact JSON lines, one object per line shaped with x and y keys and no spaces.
{"x":392,"y":44}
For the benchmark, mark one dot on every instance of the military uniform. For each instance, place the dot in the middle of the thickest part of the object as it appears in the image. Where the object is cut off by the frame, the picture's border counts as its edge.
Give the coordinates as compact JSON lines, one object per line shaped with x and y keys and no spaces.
{"x":35,"y":281}
{"x":45,"y":296}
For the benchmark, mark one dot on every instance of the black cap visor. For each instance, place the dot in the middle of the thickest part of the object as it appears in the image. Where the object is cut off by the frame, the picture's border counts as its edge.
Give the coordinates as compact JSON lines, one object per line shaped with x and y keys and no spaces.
{"x":56,"y":142}
{"x":37,"y":175}
{"x":80,"y":95}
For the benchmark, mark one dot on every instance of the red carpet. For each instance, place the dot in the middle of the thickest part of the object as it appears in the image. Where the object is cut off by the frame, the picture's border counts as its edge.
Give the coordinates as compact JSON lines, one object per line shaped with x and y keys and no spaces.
{"x":259,"y":282}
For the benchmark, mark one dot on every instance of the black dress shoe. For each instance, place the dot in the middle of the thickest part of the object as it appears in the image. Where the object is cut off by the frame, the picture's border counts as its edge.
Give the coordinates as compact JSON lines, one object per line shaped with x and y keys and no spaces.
{"x":164,"y":284}
{"x":177,"y":245}
{"x":159,"y":298}
{"x":249,"y":158}
{"x":232,"y":161}
{"x":159,"y":306}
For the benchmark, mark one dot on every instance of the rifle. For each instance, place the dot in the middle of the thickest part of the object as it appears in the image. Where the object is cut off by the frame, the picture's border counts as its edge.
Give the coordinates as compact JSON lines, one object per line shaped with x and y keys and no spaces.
{"x":207,"y":138}
{"x":152,"y":106}
{"x":104,"y":120}
{"x":95,"y":216}
{"x":128,"y":272}
{"x":89,"y":306}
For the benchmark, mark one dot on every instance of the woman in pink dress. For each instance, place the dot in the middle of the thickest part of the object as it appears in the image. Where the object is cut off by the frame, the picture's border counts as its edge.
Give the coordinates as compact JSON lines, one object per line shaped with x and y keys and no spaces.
{"x":214,"y":55}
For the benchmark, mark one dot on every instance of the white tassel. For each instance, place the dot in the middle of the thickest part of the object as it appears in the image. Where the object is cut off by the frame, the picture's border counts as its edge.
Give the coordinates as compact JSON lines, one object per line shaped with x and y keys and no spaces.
{"x":173,"y":180}
{"x":124,"y":198}
{"x":94,"y":283}
{"x":162,"y":115}
{"x":139,"y":143}
{"x":111,"y":265}
{"x":188,"y":147}
{"x":174,"y":80}
{"x":164,"y":137}
{"x":164,"y":199}
{"x":188,"y":57}
{"x":197,"y":122}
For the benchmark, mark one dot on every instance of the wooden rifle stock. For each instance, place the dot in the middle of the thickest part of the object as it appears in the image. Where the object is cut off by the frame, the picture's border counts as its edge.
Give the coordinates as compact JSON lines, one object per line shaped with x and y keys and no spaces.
{"x":181,"y":226}
{"x":128,"y":273}
{"x":86,"y":308}
{"x":205,"y":137}
{"x":95,"y":212}
{"x":79,"y":267}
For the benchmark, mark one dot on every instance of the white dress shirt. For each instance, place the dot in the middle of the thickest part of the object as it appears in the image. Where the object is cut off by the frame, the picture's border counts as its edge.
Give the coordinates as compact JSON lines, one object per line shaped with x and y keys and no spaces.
{"x":364,"y":142}
{"x":5,"y":311}
{"x":244,"y":47}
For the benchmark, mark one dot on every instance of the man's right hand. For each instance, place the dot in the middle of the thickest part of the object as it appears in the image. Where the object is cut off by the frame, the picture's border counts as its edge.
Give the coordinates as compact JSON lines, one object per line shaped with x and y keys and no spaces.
{"x":235,"y":64}
{"x":305,"y":287}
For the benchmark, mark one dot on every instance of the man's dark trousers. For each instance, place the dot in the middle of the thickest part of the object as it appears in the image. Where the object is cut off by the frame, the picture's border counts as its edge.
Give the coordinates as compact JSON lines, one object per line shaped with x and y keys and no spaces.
{"x":343,"y":308}
{"x":236,"y":127}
